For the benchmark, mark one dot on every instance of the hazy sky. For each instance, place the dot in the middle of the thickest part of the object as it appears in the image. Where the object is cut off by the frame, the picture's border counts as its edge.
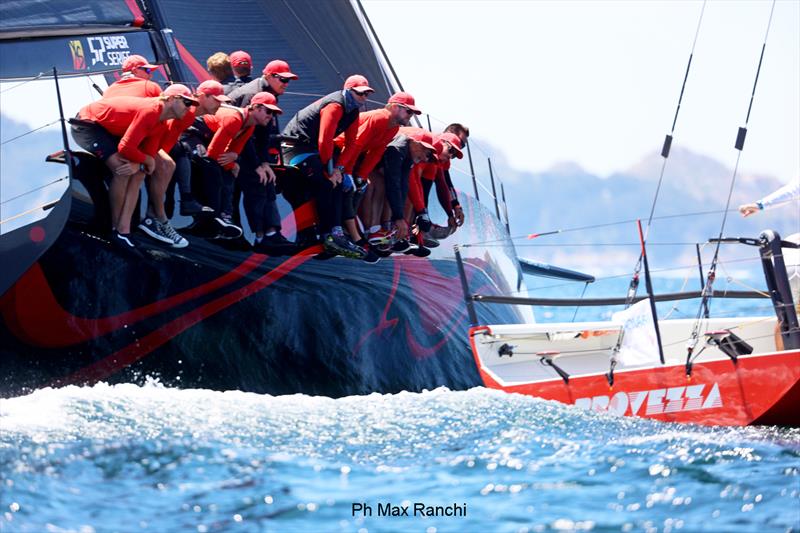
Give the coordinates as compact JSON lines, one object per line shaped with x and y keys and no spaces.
{"x":598,"y":82}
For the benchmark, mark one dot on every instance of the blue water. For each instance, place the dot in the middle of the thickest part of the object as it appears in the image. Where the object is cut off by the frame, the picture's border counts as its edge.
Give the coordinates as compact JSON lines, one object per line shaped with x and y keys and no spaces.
{"x":129,"y":458}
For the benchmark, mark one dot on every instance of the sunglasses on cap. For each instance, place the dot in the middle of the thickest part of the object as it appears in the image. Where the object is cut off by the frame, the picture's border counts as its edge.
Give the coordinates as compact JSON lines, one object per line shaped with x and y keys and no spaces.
{"x":281,"y":78}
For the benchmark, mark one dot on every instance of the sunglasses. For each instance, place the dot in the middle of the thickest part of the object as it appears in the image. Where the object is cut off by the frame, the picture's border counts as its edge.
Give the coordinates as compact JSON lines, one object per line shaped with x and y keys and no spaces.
{"x":362,"y":93}
{"x":281,"y":78}
{"x":453,"y":153}
{"x":265,"y":108}
{"x":147,"y":70}
{"x":408,"y":110}
{"x":187,"y":102}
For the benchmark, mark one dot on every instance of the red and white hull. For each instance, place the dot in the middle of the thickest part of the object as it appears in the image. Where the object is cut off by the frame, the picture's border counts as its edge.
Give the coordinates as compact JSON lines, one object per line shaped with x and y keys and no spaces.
{"x":760,"y":388}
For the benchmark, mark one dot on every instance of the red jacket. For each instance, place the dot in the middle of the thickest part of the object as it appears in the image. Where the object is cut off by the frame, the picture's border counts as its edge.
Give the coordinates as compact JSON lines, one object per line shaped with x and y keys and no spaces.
{"x":230,"y":134}
{"x":132,"y":86}
{"x":174,"y":129}
{"x":374,"y":133}
{"x":329,"y":117}
{"x":135,"y":120}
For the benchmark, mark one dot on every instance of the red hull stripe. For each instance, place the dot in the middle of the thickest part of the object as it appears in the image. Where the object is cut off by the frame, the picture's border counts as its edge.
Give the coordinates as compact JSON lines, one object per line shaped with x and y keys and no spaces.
{"x":133,"y":352}
{"x":29,"y":308}
{"x":197,"y":69}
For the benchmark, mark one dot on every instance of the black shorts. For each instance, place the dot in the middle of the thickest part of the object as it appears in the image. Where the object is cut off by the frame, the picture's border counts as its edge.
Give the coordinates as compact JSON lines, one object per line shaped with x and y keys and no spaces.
{"x":95,"y":139}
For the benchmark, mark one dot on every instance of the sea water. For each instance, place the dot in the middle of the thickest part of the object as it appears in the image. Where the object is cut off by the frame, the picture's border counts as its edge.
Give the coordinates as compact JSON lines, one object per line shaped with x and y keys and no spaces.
{"x":131,"y":458}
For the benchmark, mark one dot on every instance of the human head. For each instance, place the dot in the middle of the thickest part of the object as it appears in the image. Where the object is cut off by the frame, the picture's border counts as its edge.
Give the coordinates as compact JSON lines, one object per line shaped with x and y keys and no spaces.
{"x":422,"y":146}
{"x":219,"y":66}
{"x":358,"y":87}
{"x":138,"y":67}
{"x":211,"y":95}
{"x":179,"y":98}
{"x":402,"y":107}
{"x":452,"y":144}
{"x":263,"y":106}
{"x":278,"y":75}
{"x":241,"y":63}
{"x":459,"y":130}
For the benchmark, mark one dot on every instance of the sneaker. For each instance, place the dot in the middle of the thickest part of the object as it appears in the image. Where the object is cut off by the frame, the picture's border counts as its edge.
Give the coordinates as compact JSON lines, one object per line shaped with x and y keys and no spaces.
{"x":429,"y":241}
{"x":193,"y":207}
{"x":341,"y":245}
{"x":274,"y":245}
{"x":177,"y":240}
{"x":381,"y":237}
{"x":401,"y":246}
{"x":155,"y":229}
{"x":124,"y":243}
{"x":371,"y":256}
{"x":418,"y":251}
{"x":226,"y":228}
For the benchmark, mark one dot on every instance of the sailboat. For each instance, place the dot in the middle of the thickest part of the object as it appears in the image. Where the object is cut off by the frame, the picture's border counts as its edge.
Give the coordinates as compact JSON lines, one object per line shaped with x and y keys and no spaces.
{"x":73,"y":311}
{"x":712,"y":371}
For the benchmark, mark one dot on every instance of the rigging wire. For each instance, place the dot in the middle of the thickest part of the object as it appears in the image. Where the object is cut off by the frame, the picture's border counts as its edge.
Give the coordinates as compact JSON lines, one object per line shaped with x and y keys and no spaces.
{"x":29,"y":132}
{"x":739,"y":146}
{"x":22,"y":83}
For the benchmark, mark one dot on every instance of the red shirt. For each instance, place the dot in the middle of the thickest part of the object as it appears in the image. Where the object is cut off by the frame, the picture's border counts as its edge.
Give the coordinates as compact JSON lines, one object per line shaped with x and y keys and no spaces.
{"x":329,"y":117}
{"x":132,"y":86}
{"x":374,"y":133}
{"x":230,"y":133}
{"x":174,"y":129}
{"x":135,"y":120}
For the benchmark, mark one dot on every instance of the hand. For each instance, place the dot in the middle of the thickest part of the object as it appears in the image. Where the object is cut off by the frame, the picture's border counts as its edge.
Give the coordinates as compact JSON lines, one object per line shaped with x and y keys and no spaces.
{"x":458,"y":214}
{"x":227,"y":158}
{"x":361,"y":185}
{"x":402,"y":229}
{"x":265,"y":174}
{"x":235,"y":170}
{"x":126,"y":169}
{"x":748,"y":209}
{"x":336,"y":177}
{"x":424,"y":221}
{"x":149,"y":165}
{"x":347,"y":183}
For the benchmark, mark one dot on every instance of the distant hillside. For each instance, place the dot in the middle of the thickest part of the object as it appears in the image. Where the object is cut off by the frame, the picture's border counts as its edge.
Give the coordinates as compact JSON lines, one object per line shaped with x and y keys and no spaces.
{"x":566,"y":196}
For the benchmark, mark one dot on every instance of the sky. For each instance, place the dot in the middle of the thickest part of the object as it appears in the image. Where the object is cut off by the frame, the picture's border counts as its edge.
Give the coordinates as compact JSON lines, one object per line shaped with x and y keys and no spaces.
{"x":597,"y":83}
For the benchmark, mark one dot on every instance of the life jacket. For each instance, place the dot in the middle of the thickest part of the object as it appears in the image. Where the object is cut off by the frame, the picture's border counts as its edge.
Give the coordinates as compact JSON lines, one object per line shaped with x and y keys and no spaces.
{"x":305,"y":124}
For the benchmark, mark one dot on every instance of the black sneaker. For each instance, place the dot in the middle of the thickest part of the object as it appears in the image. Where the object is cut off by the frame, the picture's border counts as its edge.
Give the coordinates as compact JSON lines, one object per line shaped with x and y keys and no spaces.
{"x":227,"y":229}
{"x":371,"y":256}
{"x":341,"y":245}
{"x":275,"y":244}
{"x":418,"y":251}
{"x":123,"y":242}
{"x":153,"y":228}
{"x":401,"y":246}
{"x":192,"y":207}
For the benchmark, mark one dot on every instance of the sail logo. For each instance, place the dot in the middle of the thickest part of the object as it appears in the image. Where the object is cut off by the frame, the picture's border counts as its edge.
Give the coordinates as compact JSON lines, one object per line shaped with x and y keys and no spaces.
{"x":109,"y":50}
{"x":655,"y":401}
{"x":78,"y":59}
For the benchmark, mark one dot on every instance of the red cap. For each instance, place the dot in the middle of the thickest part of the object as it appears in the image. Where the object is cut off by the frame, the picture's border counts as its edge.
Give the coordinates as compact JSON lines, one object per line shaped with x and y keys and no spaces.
{"x":406,"y":100}
{"x":359,"y":83}
{"x":136,"y":61}
{"x":279,"y":67}
{"x":176,"y":89}
{"x":425,"y":138}
{"x":213,"y":88}
{"x":454,"y":141}
{"x":266,"y":99}
{"x":240,"y":58}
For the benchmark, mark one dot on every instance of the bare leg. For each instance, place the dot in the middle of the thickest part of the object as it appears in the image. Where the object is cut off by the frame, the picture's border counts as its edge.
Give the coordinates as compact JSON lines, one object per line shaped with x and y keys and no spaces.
{"x":352,"y":229}
{"x":158,"y":183}
{"x":116,"y":191}
{"x":374,"y":199}
{"x":129,"y":204}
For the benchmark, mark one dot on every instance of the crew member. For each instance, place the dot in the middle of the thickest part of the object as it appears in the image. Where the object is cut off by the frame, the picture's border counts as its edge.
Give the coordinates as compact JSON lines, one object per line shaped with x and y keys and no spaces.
{"x":242,"y":66}
{"x":263,"y":150}
{"x":125,"y":133}
{"x":315,"y":127}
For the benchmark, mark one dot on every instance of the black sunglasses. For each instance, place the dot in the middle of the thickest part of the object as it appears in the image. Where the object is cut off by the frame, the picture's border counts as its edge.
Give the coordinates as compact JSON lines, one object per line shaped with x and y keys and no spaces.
{"x":187,"y":102}
{"x":362,"y":93}
{"x":453,"y":153}
{"x":281,"y":78}
{"x":148,"y":70}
